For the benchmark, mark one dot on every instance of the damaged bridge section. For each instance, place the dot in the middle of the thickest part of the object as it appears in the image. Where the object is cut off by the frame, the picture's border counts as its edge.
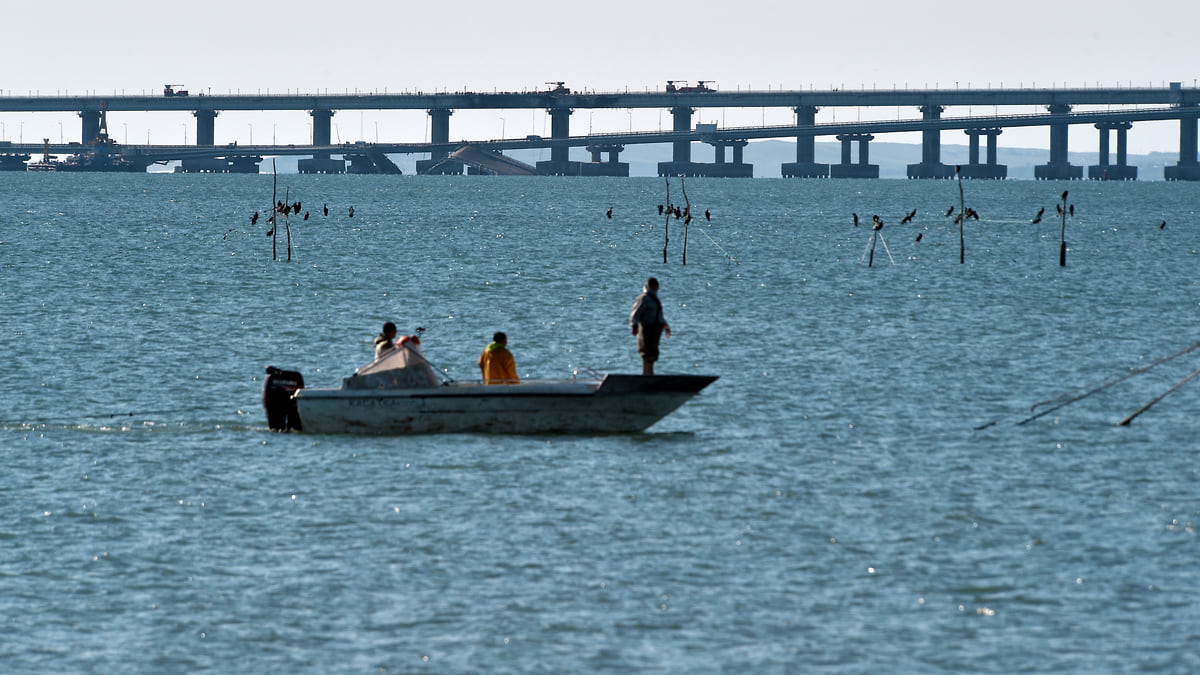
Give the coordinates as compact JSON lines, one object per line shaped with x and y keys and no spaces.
{"x":486,"y":161}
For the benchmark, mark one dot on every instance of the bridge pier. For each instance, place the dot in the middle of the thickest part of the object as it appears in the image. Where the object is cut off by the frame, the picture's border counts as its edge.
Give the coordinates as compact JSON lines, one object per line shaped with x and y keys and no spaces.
{"x":206,"y":122}
{"x":560,"y":163}
{"x":681,"y":163}
{"x":206,"y":126}
{"x":990,"y":170}
{"x":322,"y":121}
{"x":1187,"y":168}
{"x":719,"y":168}
{"x":806,"y":165}
{"x":91,"y":125}
{"x":612,"y":167}
{"x":931,"y":149}
{"x":1059,"y":167}
{"x":439,"y":132}
{"x":1121,"y":170}
{"x":863,"y":169}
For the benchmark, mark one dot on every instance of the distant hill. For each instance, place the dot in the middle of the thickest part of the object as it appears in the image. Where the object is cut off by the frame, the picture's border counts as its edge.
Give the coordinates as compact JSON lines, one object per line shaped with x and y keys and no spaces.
{"x":767,"y":156}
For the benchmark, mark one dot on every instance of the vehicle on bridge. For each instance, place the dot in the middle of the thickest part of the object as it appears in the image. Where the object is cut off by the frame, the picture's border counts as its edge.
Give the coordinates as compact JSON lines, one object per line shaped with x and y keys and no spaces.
{"x":700,"y":86}
{"x":170,"y":90}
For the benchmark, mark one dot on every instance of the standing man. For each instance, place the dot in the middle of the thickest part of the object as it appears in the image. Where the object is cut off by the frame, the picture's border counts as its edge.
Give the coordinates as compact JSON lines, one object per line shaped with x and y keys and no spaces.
{"x":648,"y":324}
{"x":496,"y":362}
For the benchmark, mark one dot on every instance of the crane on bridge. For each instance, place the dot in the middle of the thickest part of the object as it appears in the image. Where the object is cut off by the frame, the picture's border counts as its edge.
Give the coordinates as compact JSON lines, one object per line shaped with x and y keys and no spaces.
{"x":170,"y":90}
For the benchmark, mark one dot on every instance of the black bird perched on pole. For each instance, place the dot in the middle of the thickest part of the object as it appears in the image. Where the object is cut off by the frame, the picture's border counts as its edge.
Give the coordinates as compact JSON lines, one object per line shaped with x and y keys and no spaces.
{"x":878,"y":224}
{"x":1038,"y":218}
{"x":660,"y":209}
{"x":908,"y":219}
{"x":296,"y":207}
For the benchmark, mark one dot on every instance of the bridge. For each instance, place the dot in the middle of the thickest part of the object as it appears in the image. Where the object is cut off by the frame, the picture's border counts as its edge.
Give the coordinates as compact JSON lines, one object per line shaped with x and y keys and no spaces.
{"x":1123,"y":106}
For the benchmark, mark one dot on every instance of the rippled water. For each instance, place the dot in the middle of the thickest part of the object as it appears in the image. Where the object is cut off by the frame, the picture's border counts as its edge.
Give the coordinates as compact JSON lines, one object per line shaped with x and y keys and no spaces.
{"x":827,"y":505}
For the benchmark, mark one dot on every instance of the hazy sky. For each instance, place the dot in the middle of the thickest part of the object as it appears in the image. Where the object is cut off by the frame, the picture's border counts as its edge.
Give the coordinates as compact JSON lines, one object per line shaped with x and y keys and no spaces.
{"x":118,"y":46}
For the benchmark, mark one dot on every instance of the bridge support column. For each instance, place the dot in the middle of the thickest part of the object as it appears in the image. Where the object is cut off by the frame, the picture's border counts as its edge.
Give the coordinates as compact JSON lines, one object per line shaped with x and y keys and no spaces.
{"x":931,"y":149}
{"x":1187,"y":168}
{"x":439,"y":132}
{"x":722,"y":169}
{"x":206,"y":126}
{"x":991,"y":169}
{"x":612,"y":167}
{"x":206,"y":122}
{"x":322,"y":123}
{"x":1120,"y":171}
{"x":681,"y":151}
{"x":805,"y":165}
{"x":560,"y":163}
{"x":1059,"y":167}
{"x":863,"y":169}
{"x":91,"y":125}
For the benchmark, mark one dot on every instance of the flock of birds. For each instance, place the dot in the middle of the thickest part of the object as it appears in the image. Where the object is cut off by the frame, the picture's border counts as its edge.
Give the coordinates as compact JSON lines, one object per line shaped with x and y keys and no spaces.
{"x":967,"y":214}
{"x":286,"y":210}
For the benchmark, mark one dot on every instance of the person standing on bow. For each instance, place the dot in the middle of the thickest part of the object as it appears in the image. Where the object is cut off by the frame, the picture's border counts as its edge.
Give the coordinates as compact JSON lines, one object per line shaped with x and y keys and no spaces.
{"x":648,"y":324}
{"x":496,"y":362}
{"x":386,"y":341}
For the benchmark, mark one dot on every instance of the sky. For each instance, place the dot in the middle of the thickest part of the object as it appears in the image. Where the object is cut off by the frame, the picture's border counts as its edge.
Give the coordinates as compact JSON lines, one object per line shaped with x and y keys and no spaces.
{"x":226,"y":46}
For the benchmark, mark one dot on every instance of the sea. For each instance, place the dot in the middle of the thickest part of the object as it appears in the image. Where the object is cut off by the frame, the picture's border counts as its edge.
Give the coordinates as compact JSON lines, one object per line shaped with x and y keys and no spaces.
{"x":911,"y":462}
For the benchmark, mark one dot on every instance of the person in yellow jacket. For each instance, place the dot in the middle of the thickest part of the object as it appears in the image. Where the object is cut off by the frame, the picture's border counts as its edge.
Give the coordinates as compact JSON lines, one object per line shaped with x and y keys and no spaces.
{"x":496,"y":362}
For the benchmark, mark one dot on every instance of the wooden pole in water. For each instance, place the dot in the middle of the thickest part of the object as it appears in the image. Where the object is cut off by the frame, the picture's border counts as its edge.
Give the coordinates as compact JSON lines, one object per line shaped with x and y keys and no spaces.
{"x":667,"y":224}
{"x":1062,"y":232}
{"x":274,"y":208}
{"x":962,"y":217}
{"x":287,"y":221}
{"x":687,"y":216}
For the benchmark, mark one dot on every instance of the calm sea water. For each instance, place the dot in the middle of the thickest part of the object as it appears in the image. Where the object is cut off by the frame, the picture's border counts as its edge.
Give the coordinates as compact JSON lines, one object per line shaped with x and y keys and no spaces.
{"x":828,"y":505}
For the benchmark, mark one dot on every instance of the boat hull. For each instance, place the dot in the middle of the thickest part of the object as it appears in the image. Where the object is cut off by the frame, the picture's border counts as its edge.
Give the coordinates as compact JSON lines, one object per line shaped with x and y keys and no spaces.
{"x":616,"y":404}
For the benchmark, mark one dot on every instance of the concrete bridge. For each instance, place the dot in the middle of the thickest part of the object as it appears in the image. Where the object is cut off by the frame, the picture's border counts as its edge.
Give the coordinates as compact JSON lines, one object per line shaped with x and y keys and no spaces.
{"x":1173,"y":102}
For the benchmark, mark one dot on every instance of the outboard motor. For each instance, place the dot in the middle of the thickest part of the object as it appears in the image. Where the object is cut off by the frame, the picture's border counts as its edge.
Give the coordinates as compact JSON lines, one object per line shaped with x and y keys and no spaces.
{"x":282,"y":414}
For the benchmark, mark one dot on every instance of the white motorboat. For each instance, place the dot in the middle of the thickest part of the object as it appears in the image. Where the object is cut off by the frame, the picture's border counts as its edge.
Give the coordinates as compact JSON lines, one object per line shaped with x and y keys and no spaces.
{"x":400,"y":393}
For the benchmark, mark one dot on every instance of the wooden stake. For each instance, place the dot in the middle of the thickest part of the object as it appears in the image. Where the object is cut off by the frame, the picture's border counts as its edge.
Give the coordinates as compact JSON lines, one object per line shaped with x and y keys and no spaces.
{"x":274,"y":208}
{"x":1062,"y":233}
{"x":667,"y":224}
{"x":962,"y":217}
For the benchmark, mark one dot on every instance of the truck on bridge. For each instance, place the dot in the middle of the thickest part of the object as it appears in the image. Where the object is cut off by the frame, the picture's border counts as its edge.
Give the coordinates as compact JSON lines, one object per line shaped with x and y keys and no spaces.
{"x":170,"y":90}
